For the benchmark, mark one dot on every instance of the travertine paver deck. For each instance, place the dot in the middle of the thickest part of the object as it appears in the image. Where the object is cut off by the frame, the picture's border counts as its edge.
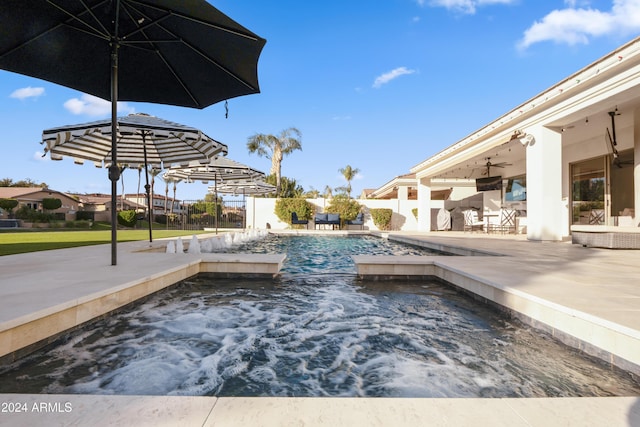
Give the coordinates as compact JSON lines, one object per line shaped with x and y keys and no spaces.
{"x":599,"y":282}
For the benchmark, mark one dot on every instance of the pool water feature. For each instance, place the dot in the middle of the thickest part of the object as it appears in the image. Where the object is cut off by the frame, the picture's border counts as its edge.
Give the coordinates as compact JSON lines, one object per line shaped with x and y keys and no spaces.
{"x":317,"y":331}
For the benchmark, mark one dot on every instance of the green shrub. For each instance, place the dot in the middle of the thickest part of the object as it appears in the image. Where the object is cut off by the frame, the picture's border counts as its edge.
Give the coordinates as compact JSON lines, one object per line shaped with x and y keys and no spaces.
{"x":345,"y":206}
{"x":85,"y":216}
{"x":284,"y":208}
{"x":8,"y":205}
{"x":382,"y":218}
{"x":51,"y":204}
{"x":31,"y":215}
{"x":127,"y":218}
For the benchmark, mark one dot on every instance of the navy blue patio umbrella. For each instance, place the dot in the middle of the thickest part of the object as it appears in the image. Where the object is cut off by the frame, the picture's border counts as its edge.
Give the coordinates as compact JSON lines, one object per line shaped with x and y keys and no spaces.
{"x":176,"y":52}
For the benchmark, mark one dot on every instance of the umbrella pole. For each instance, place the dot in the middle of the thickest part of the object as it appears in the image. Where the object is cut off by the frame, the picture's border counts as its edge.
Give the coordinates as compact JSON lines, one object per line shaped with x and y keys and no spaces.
{"x":215,"y":204}
{"x":147,"y":187}
{"x":244,"y":205}
{"x":114,"y":171}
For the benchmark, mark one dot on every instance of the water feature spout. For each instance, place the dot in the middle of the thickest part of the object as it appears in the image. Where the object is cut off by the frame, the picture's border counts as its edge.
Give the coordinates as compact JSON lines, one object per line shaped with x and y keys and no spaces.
{"x":194,"y":246}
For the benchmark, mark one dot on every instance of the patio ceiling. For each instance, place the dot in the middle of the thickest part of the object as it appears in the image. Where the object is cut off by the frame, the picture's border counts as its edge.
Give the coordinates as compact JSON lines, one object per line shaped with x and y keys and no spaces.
{"x":506,"y":159}
{"x":577,"y":107}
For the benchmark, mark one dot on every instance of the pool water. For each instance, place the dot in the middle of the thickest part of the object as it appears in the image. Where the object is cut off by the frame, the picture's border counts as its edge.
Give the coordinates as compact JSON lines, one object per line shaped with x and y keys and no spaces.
{"x":317,"y":331}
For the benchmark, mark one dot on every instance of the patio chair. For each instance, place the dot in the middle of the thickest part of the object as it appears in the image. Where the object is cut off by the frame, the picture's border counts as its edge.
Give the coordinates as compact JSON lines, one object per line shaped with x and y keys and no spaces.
{"x":507,"y":221}
{"x":471,"y":221}
{"x":596,"y":217}
{"x":296,"y":221}
{"x":359,"y":220}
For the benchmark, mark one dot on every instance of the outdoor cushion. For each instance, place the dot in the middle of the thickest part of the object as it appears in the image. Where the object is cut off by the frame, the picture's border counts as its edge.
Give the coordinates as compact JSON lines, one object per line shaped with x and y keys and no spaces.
{"x":321,"y":217}
{"x":333,"y":218}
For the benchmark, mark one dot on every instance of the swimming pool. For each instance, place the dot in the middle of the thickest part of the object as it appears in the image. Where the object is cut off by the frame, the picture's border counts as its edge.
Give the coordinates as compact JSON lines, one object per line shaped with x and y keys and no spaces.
{"x":317,"y":331}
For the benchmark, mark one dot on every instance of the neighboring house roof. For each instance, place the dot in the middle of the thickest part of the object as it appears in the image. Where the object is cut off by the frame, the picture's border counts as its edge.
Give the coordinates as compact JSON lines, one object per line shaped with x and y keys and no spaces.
{"x":32,"y":193}
{"x":17,"y":192}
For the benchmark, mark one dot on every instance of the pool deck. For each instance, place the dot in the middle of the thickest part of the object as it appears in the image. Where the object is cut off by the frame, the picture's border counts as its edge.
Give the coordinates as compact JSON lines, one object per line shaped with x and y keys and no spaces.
{"x":564,"y":286}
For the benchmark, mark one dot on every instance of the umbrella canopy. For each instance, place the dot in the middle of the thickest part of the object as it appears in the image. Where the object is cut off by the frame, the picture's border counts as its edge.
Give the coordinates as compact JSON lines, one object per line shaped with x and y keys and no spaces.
{"x":184,"y":52}
{"x":177,"y":52}
{"x":219,"y":169}
{"x":143,"y":140}
{"x":244,"y":187}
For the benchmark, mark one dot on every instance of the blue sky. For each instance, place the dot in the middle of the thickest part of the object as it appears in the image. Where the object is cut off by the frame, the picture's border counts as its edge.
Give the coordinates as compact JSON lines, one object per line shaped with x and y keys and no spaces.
{"x":380,"y":86}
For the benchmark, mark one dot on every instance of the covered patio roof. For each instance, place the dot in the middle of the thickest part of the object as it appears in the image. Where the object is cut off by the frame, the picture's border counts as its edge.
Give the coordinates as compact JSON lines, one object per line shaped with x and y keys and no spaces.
{"x":578,"y":104}
{"x":441,"y":191}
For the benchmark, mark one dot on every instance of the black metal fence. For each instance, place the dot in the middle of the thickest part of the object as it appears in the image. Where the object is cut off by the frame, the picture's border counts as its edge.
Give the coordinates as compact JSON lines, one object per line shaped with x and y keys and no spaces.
{"x":198,"y":214}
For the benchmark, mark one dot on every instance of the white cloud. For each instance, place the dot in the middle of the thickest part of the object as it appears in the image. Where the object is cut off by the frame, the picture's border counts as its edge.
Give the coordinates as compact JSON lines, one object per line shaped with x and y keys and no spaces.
{"x":464,"y":6}
{"x":93,"y":106}
{"x":27,"y":92}
{"x":391,"y":75}
{"x":576,"y":25}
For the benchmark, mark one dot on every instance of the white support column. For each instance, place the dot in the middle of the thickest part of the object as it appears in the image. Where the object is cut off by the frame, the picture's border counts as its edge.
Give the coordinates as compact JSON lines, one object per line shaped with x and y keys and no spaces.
{"x":636,"y":165}
{"x":545,"y":217}
{"x":424,"y":204}
{"x":403,"y":192}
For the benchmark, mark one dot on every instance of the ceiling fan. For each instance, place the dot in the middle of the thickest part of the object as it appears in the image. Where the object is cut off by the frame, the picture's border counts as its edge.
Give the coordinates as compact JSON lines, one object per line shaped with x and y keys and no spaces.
{"x":489,"y":165}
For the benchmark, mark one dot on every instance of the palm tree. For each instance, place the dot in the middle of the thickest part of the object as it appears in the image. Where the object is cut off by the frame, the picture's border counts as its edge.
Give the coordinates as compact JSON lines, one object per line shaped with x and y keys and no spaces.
{"x":349,"y":173}
{"x":139,"y":178}
{"x":166,"y":194}
{"x":328,"y":192}
{"x":122,"y":195}
{"x":175,"y":187}
{"x":153,"y":172}
{"x":275,"y":148}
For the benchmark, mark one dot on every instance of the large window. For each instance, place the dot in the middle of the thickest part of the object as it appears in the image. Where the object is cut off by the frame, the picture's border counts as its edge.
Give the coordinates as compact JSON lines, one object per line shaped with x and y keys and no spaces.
{"x":516,"y":189}
{"x":588,"y":189}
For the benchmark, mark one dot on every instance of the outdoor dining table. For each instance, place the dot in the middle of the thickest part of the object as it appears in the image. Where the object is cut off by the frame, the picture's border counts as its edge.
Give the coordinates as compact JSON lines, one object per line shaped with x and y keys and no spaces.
{"x":488,"y":215}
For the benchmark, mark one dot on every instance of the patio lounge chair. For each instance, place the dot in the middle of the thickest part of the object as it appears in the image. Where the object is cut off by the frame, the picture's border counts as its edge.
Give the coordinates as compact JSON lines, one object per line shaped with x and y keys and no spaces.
{"x":296,"y":221}
{"x":471,"y":221}
{"x":359,"y":220}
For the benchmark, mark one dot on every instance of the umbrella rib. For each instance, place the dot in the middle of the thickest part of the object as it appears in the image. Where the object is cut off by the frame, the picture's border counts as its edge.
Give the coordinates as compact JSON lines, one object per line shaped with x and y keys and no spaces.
{"x":199,"y":21}
{"x":95,"y":32}
{"x":157,"y":23}
{"x":105,"y":32}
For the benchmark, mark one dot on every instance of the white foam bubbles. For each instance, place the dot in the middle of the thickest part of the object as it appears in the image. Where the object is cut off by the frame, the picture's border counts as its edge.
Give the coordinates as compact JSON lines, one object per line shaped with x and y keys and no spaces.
{"x":218,"y":243}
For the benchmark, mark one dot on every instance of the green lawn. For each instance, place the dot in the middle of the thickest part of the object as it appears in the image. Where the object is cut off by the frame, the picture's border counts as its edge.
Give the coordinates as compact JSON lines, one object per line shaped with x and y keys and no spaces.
{"x":18,"y":242}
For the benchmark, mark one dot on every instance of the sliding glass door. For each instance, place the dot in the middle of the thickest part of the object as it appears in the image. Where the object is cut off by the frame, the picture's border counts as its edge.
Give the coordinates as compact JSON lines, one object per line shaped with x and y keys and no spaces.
{"x":588,"y":191}
{"x":602,"y":189}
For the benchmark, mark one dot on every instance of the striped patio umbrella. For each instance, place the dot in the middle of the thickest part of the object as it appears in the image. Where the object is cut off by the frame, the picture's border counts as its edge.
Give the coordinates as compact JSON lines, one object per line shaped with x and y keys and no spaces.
{"x":221,"y":171}
{"x":243,"y":187}
{"x":142,"y":140}
{"x":218,"y":170}
{"x":176,"y":52}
